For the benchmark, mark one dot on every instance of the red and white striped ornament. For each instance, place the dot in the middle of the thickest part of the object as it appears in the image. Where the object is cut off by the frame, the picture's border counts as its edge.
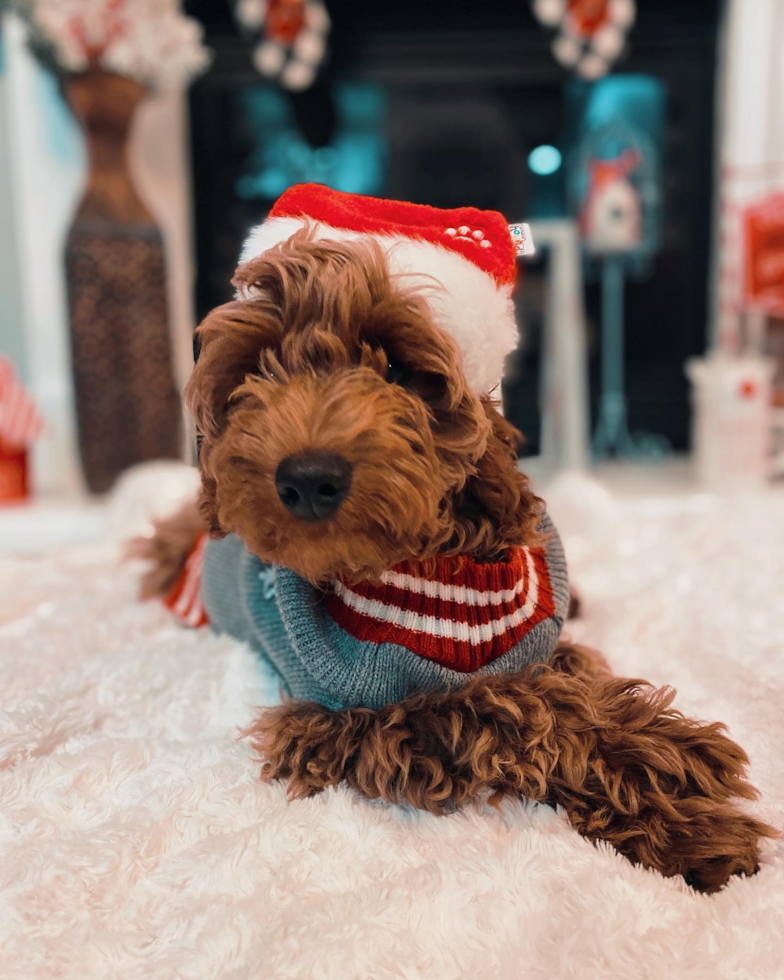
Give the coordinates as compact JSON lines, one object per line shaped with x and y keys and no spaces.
{"x":591,"y":33}
{"x":20,"y":421}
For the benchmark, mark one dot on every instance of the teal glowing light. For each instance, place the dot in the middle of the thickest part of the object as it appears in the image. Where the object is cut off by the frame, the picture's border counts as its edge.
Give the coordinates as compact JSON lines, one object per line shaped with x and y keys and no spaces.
{"x":544,"y":160}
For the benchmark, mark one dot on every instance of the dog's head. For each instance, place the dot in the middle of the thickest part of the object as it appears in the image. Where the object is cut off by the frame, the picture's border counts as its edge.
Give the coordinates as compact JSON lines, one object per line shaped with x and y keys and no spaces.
{"x":339,"y":435}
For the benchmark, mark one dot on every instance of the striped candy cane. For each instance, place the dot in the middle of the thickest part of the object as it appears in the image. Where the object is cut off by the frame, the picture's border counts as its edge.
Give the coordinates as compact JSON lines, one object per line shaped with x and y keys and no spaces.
{"x":20,"y":421}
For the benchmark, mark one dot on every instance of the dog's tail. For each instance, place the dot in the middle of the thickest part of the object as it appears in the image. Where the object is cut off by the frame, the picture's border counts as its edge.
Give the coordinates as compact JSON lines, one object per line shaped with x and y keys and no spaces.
{"x":166,"y":549}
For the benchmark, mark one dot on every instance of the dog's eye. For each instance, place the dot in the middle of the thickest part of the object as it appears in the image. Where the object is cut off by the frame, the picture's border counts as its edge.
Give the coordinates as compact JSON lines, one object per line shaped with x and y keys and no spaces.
{"x":397,"y":373}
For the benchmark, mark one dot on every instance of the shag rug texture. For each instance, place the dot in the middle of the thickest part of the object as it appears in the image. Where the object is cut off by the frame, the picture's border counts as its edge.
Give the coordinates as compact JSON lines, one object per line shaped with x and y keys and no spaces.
{"x":136,"y":840}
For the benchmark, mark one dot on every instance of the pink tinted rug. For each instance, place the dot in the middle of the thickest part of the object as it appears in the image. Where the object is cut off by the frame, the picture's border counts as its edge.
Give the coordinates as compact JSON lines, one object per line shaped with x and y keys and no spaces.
{"x":136,"y":841}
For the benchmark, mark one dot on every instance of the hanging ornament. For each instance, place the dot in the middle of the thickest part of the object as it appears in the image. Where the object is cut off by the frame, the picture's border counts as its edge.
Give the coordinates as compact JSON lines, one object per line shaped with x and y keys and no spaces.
{"x":293,"y":38}
{"x":591,"y":33}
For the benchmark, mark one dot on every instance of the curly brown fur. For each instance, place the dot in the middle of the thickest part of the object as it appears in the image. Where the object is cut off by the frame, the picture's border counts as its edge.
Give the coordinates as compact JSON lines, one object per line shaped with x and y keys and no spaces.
{"x":327,"y":352}
{"x":626,"y":767}
{"x":166,"y":549}
{"x":575,"y":605}
{"x":330,"y":353}
{"x":580,"y":661}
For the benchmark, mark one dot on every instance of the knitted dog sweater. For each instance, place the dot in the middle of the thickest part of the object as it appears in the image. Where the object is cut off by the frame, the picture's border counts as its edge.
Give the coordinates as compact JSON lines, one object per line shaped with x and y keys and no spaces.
{"x":422,"y":627}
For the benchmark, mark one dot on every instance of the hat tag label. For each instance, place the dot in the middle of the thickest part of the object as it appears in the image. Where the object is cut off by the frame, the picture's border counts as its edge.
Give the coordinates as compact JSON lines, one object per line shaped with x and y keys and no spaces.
{"x":522,"y":239}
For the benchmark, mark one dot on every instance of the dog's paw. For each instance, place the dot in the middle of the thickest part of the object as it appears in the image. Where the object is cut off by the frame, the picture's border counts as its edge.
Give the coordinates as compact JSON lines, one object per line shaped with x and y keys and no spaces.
{"x":306,"y":744}
{"x":714,"y":873}
{"x":718,"y":847}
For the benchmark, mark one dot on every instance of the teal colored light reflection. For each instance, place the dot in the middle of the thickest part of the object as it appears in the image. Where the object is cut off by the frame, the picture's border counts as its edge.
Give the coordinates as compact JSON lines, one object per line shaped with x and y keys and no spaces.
{"x":544,"y":160}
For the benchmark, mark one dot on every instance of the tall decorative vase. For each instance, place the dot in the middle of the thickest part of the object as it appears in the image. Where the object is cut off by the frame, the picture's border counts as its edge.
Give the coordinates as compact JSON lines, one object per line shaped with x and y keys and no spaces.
{"x":128,"y":408}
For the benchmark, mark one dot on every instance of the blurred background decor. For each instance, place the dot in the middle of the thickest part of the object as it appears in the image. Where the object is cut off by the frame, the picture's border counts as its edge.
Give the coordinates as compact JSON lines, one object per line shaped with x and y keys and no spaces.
{"x":733,"y":419}
{"x":661,"y":180}
{"x":591,"y":33}
{"x":127,"y":402}
{"x":293,"y":41}
{"x":20,"y":426}
{"x":107,"y":54}
{"x":616,"y":195}
{"x":740,"y":382}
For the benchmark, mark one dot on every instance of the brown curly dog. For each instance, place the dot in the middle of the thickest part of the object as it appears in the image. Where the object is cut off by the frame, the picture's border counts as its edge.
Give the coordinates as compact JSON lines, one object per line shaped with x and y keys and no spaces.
{"x":303,"y":359}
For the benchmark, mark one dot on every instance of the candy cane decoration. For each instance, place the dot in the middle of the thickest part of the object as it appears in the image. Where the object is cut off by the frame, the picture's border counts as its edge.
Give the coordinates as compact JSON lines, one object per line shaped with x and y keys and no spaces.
{"x":20,"y":422}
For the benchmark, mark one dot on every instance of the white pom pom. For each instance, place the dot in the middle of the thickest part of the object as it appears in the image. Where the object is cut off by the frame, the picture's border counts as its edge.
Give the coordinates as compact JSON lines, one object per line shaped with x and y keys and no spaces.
{"x":567,"y":50}
{"x":608,"y":42}
{"x":317,"y":17}
{"x":252,"y":13}
{"x":298,"y":75}
{"x":592,"y":67}
{"x":622,"y":13}
{"x":550,"y":12}
{"x":269,"y":58}
{"x":309,"y":46}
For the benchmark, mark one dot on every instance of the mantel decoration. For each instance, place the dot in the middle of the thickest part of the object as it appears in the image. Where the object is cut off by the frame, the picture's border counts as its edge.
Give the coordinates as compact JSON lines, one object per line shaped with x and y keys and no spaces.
{"x":108,"y":55}
{"x":292,"y":41}
{"x":615,"y":193}
{"x":590,"y":34}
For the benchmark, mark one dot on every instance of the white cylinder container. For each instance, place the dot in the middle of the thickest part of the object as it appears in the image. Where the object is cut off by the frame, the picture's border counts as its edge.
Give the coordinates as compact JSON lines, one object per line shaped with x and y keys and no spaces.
{"x":732,"y":419}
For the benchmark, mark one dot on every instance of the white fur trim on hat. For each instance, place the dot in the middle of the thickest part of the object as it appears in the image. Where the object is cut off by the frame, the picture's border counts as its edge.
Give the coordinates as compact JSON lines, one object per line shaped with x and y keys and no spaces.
{"x":466,"y":302}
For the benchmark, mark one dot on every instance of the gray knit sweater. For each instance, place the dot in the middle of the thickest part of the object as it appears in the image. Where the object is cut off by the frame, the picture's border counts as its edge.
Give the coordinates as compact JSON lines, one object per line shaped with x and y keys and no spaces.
{"x":375,"y":643}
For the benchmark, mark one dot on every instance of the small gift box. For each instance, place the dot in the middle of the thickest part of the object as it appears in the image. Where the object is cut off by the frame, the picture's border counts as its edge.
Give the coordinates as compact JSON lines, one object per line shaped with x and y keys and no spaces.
{"x":20,"y":426}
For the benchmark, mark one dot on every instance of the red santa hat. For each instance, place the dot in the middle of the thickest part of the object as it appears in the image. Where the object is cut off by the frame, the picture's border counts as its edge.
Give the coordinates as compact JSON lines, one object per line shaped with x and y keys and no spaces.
{"x":463,"y":258}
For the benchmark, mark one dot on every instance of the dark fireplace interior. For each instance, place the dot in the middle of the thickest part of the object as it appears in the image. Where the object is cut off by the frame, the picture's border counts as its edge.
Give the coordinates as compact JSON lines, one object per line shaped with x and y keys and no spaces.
{"x":442,"y":102}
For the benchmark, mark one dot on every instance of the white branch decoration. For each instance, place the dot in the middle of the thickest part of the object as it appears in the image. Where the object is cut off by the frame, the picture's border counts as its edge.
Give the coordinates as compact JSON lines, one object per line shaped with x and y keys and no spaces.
{"x":151,"y":41}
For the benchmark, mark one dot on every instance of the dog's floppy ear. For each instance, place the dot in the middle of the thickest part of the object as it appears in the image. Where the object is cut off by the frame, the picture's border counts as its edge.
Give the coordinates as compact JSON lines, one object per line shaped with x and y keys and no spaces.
{"x":230,"y":341}
{"x":496,"y":508}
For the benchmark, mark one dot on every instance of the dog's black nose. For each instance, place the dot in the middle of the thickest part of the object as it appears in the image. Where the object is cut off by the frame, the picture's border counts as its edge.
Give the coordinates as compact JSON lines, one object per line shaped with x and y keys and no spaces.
{"x":313,"y":485}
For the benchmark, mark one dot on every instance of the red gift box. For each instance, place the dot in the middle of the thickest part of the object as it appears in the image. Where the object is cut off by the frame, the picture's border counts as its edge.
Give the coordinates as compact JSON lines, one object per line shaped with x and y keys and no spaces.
{"x":14,"y":483}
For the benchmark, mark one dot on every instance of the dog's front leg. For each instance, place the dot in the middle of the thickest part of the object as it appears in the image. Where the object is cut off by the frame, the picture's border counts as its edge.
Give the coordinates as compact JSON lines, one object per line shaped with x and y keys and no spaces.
{"x":659,"y":787}
{"x":623,"y":764}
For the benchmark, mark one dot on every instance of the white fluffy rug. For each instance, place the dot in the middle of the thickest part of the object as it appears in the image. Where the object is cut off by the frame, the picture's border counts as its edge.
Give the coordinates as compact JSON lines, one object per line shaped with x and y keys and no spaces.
{"x":136,"y":841}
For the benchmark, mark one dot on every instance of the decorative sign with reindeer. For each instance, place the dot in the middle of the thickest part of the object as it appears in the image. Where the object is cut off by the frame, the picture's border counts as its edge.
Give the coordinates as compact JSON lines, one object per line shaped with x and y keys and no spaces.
{"x":615,"y":184}
{"x":611,"y":216}
{"x":615,"y":191}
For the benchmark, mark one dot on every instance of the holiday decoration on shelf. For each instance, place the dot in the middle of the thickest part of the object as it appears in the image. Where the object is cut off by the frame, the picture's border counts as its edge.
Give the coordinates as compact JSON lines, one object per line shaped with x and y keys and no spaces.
{"x":20,"y":426}
{"x":763,"y":225}
{"x":150,"y":41}
{"x":733,"y":419}
{"x":127,"y":403}
{"x":591,"y":33}
{"x":293,"y":41}
{"x":615,"y":194}
{"x":611,"y":215}
{"x":109,"y":54}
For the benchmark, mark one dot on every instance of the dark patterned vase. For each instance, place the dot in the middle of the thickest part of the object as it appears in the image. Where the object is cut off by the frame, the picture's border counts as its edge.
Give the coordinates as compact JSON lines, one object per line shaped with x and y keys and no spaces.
{"x":128,"y":408}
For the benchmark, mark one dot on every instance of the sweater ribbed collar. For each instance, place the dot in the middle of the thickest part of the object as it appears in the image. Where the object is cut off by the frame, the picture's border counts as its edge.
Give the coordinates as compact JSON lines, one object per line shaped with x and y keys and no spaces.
{"x":461,"y":613}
